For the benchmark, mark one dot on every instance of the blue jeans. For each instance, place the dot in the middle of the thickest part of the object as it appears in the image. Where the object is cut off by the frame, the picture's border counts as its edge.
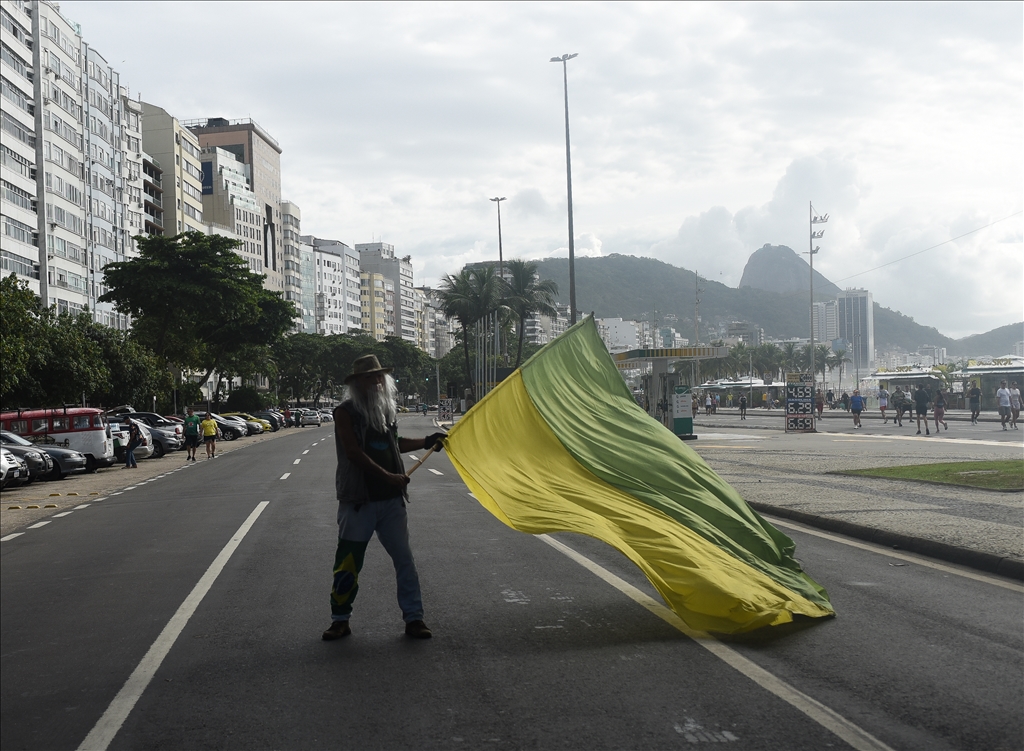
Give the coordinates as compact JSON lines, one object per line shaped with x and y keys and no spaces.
{"x":355,"y":528}
{"x":129,"y":457}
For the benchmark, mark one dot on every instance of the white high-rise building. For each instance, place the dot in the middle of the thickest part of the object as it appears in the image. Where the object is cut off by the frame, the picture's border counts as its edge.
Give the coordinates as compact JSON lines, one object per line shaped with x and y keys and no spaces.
{"x":69,"y":157}
{"x":618,"y":335}
{"x":826,"y":321}
{"x":379,"y":258}
{"x":336,"y":304}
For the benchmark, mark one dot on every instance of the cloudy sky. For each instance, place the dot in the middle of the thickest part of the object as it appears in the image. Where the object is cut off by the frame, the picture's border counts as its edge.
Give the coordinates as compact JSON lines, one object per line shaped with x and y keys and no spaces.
{"x":700,"y":131}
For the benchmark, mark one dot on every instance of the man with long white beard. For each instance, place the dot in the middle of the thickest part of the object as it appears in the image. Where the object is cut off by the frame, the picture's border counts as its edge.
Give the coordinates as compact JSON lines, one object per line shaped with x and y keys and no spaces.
{"x":372,"y":492}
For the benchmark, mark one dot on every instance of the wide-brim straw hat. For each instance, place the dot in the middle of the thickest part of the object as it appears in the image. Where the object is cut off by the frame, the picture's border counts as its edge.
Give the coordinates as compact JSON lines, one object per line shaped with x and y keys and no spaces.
{"x":366,"y":365}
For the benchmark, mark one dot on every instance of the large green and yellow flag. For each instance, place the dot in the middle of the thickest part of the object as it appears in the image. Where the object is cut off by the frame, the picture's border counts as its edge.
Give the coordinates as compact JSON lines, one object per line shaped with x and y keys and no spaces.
{"x":561,"y":446}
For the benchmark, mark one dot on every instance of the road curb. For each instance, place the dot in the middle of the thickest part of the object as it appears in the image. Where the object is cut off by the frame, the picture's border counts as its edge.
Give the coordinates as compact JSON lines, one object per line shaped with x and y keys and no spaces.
{"x":976,"y":559}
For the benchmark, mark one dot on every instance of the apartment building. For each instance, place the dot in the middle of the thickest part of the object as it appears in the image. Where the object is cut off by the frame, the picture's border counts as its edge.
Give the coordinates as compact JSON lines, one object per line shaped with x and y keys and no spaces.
{"x":379,"y":258}
{"x":308,"y":263}
{"x":618,"y":335}
{"x":228,"y":204}
{"x":291,"y":265}
{"x":64,"y":158}
{"x":335,"y":290}
{"x":373,"y":299}
{"x":177,"y":150}
{"x":826,"y":321}
{"x":257,"y":149}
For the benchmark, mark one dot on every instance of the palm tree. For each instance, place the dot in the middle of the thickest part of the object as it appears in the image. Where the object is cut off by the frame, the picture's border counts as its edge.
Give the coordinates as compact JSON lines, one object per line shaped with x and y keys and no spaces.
{"x":790,"y":357}
{"x":526,"y":295}
{"x":467,"y":297}
{"x":837,"y":360}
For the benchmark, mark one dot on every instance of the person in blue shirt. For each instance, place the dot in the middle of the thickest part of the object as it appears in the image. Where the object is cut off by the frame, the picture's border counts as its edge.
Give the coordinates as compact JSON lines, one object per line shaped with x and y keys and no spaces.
{"x":856,"y":407}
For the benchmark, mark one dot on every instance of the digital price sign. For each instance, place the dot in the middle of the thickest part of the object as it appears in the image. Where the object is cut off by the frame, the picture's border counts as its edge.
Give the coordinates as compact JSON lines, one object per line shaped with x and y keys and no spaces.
{"x":799,"y":402}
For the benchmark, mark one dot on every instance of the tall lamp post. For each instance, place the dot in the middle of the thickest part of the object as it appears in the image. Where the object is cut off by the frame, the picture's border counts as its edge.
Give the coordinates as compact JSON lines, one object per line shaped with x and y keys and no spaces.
{"x":501,"y":277}
{"x":812,"y":249}
{"x":568,"y":186}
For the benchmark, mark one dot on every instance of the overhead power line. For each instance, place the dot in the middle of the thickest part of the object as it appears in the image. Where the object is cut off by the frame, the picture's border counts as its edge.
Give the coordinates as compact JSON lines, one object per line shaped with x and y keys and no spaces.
{"x":933,"y":247}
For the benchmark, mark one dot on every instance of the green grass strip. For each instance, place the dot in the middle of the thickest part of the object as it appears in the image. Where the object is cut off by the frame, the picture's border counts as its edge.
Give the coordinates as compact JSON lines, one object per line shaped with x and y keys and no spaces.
{"x":994,"y":475}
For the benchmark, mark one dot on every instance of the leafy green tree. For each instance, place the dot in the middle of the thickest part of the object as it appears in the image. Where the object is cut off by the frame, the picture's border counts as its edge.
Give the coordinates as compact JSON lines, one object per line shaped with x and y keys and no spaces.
{"x":136,"y":375}
{"x":195,"y":301}
{"x":19,"y":333}
{"x":526,"y":295}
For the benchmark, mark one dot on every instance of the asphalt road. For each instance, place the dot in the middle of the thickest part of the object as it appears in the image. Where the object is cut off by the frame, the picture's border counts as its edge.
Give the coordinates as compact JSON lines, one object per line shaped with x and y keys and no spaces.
{"x":186,"y":613}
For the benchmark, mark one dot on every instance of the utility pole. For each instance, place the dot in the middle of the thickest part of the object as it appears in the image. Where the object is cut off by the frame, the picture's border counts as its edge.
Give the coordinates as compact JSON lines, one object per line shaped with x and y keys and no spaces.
{"x":697,"y":289}
{"x":501,"y":276}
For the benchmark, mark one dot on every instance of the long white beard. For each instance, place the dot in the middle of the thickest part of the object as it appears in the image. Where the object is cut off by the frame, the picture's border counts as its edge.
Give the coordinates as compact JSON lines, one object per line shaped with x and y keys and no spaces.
{"x":376,"y":404}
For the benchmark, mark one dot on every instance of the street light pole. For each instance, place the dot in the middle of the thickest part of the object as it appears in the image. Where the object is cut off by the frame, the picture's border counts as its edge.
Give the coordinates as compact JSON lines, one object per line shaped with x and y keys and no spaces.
{"x":564,"y":59}
{"x":501,"y":278}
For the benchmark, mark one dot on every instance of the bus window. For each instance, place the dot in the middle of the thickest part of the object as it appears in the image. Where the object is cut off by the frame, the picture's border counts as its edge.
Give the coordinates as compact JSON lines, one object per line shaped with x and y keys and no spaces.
{"x":81,"y":422}
{"x":19,"y":426}
{"x":39,"y":425}
{"x":61,"y":423}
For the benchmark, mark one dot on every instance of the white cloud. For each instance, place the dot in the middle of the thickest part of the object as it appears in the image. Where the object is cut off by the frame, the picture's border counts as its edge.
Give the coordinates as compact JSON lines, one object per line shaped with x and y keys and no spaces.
{"x":699,"y":131}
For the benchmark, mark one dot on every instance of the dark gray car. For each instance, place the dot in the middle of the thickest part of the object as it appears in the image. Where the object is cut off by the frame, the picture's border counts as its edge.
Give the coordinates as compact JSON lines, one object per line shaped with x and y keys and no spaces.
{"x":65,"y":461}
{"x":39,"y":463}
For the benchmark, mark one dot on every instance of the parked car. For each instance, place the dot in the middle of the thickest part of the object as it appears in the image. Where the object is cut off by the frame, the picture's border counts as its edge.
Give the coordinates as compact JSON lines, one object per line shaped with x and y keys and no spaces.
{"x":10,"y":469}
{"x":229,"y":429}
{"x":326,"y":415}
{"x":275,"y":422}
{"x":119,"y":433}
{"x":167,"y":435}
{"x":81,"y":429}
{"x":65,"y":461}
{"x":38,"y":462}
{"x":264,"y":424}
{"x":309,"y":417}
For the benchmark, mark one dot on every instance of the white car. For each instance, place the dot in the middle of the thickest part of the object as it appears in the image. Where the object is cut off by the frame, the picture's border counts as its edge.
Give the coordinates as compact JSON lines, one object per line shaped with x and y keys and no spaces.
{"x":10,"y":468}
{"x":309,"y":417}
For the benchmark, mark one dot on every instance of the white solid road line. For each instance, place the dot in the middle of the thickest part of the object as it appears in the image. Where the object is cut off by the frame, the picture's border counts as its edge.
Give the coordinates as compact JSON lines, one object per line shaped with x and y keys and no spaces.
{"x":930,"y":439}
{"x":909,"y":557}
{"x":832,"y":721}
{"x":286,"y":475}
{"x":106,"y":728}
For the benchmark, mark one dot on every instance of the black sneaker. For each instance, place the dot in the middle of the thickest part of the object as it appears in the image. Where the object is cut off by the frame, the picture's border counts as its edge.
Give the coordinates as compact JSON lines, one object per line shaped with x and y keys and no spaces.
{"x":417,"y":630}
{"x":336,"y":630}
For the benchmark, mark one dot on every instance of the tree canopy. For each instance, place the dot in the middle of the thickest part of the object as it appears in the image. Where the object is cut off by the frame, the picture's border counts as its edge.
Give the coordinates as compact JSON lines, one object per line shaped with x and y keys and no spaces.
{"x":195,"y":302}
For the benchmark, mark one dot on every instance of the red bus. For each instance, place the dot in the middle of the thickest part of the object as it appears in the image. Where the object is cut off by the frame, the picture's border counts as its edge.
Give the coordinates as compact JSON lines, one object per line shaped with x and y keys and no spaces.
{"x":80,"y":428}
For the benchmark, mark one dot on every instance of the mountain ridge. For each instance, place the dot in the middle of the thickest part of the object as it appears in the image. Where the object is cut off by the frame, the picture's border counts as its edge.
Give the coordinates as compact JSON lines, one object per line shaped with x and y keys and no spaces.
{"x":637,"y":287}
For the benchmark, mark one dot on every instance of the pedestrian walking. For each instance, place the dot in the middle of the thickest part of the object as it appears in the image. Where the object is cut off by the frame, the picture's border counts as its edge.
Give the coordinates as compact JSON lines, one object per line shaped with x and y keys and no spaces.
{"x":707,"y":404}
{"x":192,"y":423}
{"x":819,"y":403}
{"x":921,"y":398}
{"x":899,"y":405}
{"x":856,"y":407}
{"x":209,"y":428}
{"x":1014,"y":404}
{"x":1003,"y":395}
{"x":743,"y":407}
{"x":845,"y":400}
{"x":974,"y":402}
{"x":372,"y":492}
{"x":134,"y":441}
{"x":883,"y":403}
{"x":939,"y":410}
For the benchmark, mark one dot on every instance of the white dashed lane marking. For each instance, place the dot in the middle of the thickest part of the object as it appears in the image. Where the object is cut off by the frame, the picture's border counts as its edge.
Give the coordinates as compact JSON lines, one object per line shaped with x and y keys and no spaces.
{"x":305,"y":452}
{"x":11,"y":536}
{"x":286,"y":475}
{"x":58,"y":516}
{"x":296,"y":461}
{"x":435,"y":471}
{"x":37,"y":525}
{"x":84,"y":505}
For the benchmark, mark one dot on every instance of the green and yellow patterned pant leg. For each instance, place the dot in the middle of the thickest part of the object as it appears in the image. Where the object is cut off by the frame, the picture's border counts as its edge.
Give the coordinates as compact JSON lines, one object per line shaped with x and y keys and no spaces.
{"x":348,"y":562}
